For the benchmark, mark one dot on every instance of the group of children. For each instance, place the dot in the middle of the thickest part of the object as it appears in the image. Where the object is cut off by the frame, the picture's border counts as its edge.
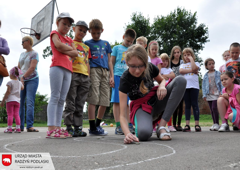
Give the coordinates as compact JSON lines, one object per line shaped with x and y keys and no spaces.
{"x":85,"y":72}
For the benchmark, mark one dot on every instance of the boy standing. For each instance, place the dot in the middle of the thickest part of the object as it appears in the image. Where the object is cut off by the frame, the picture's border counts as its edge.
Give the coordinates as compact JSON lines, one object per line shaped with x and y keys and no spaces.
{"x":143,"y":42}
{"x":80,"y":83}
{"x":101,"y":67}
{"x":118,"y":61}
{"x":233,"y":65}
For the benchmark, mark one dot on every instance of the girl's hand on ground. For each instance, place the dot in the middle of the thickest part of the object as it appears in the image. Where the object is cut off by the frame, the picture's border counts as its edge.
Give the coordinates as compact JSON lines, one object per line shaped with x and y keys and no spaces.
{"x":161,"y":92}
{"x":129,"y":138}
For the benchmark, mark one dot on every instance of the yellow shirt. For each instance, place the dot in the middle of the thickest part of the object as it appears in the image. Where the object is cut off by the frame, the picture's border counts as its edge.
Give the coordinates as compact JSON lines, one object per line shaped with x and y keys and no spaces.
{"x":79,"y":63}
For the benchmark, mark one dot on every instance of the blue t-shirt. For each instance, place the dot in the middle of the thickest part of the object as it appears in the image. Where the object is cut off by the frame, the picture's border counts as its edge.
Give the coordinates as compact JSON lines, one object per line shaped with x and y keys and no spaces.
{"x":99,"y":52}
{"x":120,"y":66}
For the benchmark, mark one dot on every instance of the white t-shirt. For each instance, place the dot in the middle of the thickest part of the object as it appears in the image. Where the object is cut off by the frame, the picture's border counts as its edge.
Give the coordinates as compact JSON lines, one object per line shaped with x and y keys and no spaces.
{"x":15,"y":91}
{"x":149,"y":59}
{"x":165,"y":71}
{"x":192,"y":79}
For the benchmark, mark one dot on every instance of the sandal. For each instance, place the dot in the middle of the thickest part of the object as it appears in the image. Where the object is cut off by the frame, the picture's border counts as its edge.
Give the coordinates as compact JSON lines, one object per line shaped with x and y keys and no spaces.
{"x":186,"y":129}
{"x":179,"y":128}
{"x":65,"y":133}
{"x":32,"y":130}
{"x":161,"y":135}
{"x":55,"y":134}
{"x":198,"y":128}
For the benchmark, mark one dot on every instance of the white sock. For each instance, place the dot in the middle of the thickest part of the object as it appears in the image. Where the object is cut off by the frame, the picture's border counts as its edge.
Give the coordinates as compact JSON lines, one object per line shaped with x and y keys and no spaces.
{"x":17,"y":126}
{"x":9,"y":127}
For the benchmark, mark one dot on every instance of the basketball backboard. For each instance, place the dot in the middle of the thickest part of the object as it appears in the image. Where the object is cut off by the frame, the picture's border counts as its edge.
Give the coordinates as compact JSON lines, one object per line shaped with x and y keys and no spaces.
{"x":42,"y":22}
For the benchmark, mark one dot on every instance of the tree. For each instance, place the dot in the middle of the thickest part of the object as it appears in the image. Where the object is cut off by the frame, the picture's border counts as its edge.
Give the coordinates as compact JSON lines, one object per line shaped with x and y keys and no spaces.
{"x":178,"y":28}
{"x":140,"y":24}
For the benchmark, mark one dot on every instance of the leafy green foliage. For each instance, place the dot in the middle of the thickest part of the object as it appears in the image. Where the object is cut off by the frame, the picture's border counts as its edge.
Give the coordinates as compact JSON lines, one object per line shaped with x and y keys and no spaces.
{"x":40,"y":100}
{"x":140,"y":24}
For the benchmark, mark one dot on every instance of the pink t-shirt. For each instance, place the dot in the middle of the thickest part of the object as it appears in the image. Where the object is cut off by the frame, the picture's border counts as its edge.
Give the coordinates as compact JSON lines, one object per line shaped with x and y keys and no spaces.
{"x":58,"y":58}
{"x":156,"y":61}
{"x":232,"y":100}
{"x":222,"y":68}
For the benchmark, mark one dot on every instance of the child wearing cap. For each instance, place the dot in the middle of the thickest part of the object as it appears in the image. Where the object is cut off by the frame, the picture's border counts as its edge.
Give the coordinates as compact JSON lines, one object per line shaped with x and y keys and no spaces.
{"x":78,"y":91}
{"x":63,"y":50}
{"x":100,"y":67}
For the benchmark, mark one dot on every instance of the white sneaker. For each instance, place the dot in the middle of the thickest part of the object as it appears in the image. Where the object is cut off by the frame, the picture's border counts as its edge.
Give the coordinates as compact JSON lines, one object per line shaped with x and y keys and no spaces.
{"x":216,"y":127}
{"x":224,"y":128}
{"x":212,"y":128}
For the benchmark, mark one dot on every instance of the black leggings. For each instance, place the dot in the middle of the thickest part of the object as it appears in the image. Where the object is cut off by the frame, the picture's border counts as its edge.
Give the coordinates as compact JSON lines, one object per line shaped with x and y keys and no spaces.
{"x":178,"y":113}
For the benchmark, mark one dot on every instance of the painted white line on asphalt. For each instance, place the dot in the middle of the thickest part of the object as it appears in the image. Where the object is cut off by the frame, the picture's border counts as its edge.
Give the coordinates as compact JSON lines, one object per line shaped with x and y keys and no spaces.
{"x":104,"y":153}
{"x":147,"y":160}
{"x":5,"y":146}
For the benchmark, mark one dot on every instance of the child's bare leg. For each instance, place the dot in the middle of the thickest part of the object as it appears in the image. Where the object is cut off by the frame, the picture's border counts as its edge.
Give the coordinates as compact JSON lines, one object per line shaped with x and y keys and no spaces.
{"x":91,"y":112}
{"x":116,"y":112}
{"x":51,"y":128}
{"x":230,"y":117}
{"x":222,"y":105}
{"x":187,"y":122}
{"x":101,"y":111}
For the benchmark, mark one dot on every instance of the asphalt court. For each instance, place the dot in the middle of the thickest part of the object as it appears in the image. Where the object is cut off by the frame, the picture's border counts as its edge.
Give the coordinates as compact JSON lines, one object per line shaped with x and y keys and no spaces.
{"x":186,"y":150}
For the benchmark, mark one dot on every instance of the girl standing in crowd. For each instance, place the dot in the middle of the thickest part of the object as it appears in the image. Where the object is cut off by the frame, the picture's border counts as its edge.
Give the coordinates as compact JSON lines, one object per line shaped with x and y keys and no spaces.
{"x":4,"y":49}
{"x":176,"y":61}
{"x":211,"y":89}
{"x":167,"y":73}
{"x":146,"y":110}
{"x":12,"y":98}
{"x":152,"y":51}
{"x":226,"y":57}
{"x":229,"y":103}
{"x":63,"y":50}
{"x":190,"y":71}
{"x":27,"y":63}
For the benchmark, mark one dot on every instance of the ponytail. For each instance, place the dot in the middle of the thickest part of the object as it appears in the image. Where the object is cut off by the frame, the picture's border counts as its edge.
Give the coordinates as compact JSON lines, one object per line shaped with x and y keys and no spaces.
{"x":143,"y":89}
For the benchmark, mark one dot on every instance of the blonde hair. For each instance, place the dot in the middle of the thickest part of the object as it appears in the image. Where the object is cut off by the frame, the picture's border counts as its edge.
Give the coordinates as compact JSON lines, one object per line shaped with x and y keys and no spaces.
{"x":206,"y":62}
{"x":188,"y":50}
{"x":225,"y":52}
{"x":149,"y":45}
{"x":30,"y":39}
{"x":138,"y":51}
{"x":172,"y":52}
{"x":164,"y":56}
{"x":143,"y":39}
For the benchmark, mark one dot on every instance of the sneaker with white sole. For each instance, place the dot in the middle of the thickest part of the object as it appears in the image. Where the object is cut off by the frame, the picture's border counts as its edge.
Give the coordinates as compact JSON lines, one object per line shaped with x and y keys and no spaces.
{"x":216,"y":127}
{"x":224,"y":128}
{"x":98,"y":132}
{"x":212,"y":127}
{"x":171,"y":129}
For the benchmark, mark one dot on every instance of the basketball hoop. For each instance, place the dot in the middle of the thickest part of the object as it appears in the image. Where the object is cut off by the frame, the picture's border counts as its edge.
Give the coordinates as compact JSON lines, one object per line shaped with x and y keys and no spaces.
{"x":31,"y":32}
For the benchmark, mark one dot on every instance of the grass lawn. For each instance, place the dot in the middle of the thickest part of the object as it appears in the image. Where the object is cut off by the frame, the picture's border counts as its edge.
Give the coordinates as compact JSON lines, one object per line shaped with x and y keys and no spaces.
{"x":205,"y":120}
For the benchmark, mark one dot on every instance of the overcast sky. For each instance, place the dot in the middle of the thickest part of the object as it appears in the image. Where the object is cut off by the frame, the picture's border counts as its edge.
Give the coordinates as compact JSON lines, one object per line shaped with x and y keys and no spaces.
{"x":220,"y":16}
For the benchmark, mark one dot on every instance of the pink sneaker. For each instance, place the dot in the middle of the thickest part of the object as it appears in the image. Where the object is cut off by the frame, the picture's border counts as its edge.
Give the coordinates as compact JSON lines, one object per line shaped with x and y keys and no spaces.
{"x":171,"y":129}
{"x":8,"y":131}
{"x":18,"y":130}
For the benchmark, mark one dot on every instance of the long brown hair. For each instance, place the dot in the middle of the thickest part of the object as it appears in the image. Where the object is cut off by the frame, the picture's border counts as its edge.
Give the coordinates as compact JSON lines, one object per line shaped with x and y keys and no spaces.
{"x":138,"y":51}
{"x":172,"y":52}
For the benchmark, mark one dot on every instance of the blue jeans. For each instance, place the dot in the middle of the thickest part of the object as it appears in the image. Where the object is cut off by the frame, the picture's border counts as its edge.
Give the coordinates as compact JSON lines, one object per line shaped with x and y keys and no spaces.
{"x":28,"y":94}
{"x":1,"y":80}
{"x":191,"y":99}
